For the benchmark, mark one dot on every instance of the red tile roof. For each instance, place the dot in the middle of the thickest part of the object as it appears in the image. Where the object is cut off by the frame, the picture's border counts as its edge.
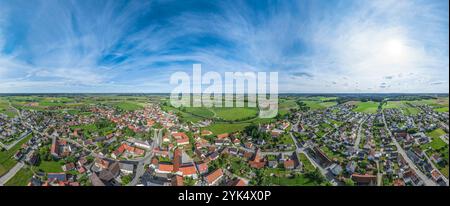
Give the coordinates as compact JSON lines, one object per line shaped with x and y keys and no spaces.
{"x":213,"y":176}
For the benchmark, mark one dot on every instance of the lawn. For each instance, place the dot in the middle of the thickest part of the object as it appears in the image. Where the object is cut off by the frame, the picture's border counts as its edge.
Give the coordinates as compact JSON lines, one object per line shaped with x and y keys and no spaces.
{"x":6,"y":109}
{"x":220,"y":128}
{"x":22,"y":178}
{"x":367,"y":107}
{"x":318,"y":105}
{"x":50,"y":166}
{"x":441,"y":109}
{"x":307,"y":165}
{"x":200,"y":111}
{"x":235,"y":113}
{"x":6,"y":157}
{"x":299,"y":180}
{"x":436,"y":133}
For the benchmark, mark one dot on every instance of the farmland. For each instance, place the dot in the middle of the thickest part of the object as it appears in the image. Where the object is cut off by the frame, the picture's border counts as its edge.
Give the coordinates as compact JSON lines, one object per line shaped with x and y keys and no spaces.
{"x":367,"y":107}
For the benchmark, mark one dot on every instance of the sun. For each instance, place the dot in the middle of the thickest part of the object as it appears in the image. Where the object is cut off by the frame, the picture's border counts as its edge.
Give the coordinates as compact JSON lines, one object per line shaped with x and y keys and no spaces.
{"x":394,"y":48}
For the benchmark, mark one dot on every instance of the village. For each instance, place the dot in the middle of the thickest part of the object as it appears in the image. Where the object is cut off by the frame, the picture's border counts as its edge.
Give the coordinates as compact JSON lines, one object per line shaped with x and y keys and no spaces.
{"x":104,"y":146}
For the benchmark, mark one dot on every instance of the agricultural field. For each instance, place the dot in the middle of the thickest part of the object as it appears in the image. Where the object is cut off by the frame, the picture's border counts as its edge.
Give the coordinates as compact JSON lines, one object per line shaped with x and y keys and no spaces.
{"x":129,"y":106}
{"x":317,"y":105}
{"x":440,"y":104}
{"x":220,"y":128}
{"x":406,"y":107}
{"x":366,"y":107}
{"x":232,"y":114}
{"x":6,"y":109}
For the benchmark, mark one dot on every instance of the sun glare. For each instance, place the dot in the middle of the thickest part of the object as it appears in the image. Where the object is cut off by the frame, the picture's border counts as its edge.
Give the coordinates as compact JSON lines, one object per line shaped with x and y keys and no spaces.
{"x":394,"y":48}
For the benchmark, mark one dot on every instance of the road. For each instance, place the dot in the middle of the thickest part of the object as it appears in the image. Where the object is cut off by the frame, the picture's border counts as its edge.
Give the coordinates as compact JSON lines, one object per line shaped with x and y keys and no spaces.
{"x":5,"y":178}
{"x":301,"y":149}
{"x":358,"y":135}
{"x":379,"y":175}
{"x":427,"y":181}
{"x":140,"y":170}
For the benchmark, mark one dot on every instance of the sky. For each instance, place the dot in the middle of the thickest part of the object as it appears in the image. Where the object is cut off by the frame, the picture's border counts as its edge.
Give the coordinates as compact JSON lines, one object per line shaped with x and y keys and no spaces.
{"x":348,"y":46}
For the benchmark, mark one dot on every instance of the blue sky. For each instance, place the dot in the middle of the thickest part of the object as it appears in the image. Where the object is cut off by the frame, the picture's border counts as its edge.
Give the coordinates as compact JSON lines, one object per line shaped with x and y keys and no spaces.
{"x":134,"y":46}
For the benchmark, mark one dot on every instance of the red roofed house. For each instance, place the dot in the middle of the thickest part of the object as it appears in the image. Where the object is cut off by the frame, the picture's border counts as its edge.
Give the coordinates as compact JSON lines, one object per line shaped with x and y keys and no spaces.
{"x":202,"y":168}
{"x":214,"y":177}
{"x":223,"y":136}
{"x":258,"y":162}
{"x":124,"y":147}
{"x":289,"y":164}
{"x":177,"y":180}
{"x":237,"y":182}
{"x":164,"y":168}
{"x":366,"y":179}
{"x":181,"y":138}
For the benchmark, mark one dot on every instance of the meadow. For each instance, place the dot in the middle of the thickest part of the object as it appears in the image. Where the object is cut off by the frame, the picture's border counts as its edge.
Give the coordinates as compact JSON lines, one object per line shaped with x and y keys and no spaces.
{"x":367,"y":107}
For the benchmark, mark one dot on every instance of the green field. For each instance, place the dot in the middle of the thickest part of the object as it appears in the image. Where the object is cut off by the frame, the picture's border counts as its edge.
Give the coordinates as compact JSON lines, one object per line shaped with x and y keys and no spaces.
{"x":367,"y":107}
{"x":235,"y":113}
{"x":307,"y":165}
{"x":317,"y":105}
{"x":50,"y":166}
{"x":7,"y":160}
{"x":405,"y":106}
{"x":441,"y":109}
{"x":22,"y":178}
{"x":220,"y":128}
{"x":129,"y":106}
{"x":6,"y":109}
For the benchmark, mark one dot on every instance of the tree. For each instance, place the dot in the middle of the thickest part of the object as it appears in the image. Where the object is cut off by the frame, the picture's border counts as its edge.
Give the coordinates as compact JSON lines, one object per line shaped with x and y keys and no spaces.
{"x":349,"y":182}
{"x":315,"y":175}
{"x":302,"y":106}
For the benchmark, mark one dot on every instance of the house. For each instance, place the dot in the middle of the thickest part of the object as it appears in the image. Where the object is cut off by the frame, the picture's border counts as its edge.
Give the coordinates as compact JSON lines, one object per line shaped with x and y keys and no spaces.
{"x":237,"y":182}
{"x":436,"y":175}
{"x":350,"y":167}
{"x":289,"y":164}
{"x":57,"y":176}
{"x":206,"y":133}
{"x":336,"y":169}
{"x":223,"y":136}
{"x":68,"y":167}
{"x":32,"y":158}
{"x":142,"y":144}
{"x":126,"y":169}
{"x":95,"y":180}
{"x":258,"y":161}
{"x":164,"y":168}
{"x":202,"y":168}
{"x":110,"y":173}
{"x":365,"y":179}
{"x":181,"y":138}
{"x":214,"y":177}
{"x":125,"y":148}
{"x":177,"y":180}
{"x":188,"y":171}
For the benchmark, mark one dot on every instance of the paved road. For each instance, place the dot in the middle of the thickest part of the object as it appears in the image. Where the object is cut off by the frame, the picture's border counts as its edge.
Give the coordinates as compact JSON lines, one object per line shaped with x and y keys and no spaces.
{"x":358,"y":135}
{"x":140,"y":170}
{"x":5,"y":178}
{"x":301,"y":149}
{"x":379,"y":175}
{"x":427,"y":181}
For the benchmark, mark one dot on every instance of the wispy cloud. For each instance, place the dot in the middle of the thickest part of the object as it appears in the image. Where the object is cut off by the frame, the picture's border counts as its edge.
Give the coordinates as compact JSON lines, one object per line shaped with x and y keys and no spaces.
{"x":136,"y":45}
